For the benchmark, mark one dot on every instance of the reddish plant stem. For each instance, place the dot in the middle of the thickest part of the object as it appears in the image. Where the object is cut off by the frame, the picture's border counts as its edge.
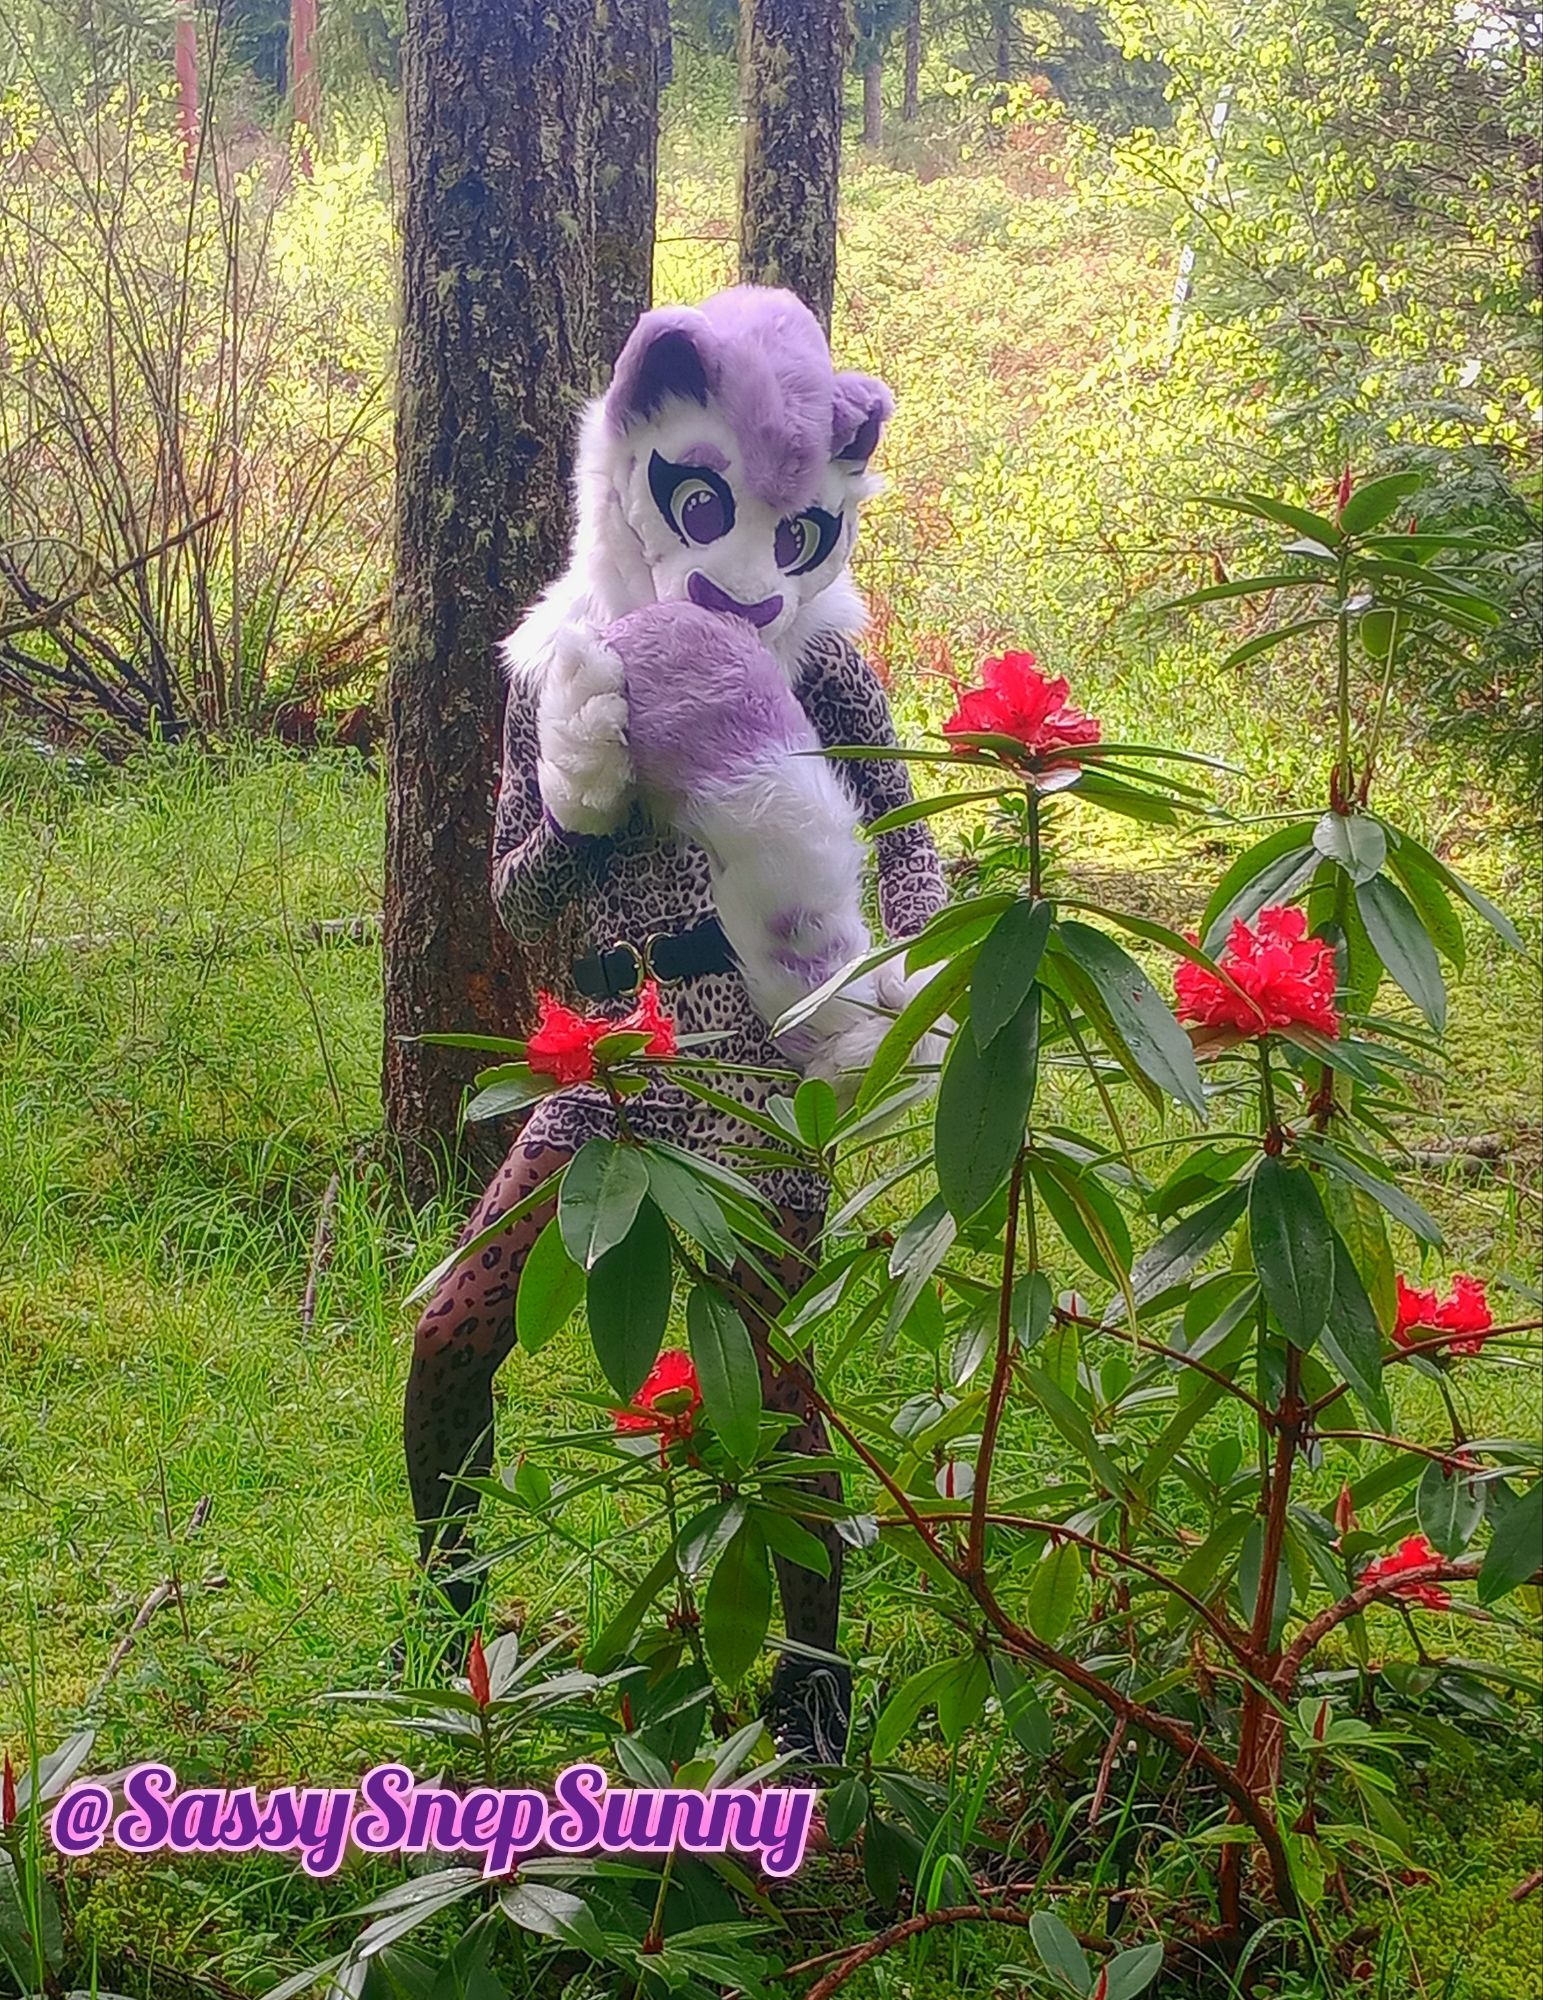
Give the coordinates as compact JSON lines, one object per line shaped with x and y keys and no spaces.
{"x":1447,"y":1457}
{"x":975,"y":1545}
{"x":1259,"y":1735}
{"x":1316,"y":1630}
{"x":1233,"y":1641}
{"x":1135,"y":1714}
{"x":1261,"y":1410}
{"x":1431,"y":1346}
{"x":897,"y":1934}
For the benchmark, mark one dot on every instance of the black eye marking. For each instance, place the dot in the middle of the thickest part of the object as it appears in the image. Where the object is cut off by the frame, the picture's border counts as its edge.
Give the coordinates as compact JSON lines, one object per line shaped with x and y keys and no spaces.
{"x":697,"y":504}
{"x":805,"y":540}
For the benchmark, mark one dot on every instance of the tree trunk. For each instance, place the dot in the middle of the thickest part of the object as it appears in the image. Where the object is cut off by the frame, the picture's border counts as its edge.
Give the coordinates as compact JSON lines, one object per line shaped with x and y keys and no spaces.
{"x":913,"y":61}
{"x":792,"y":59}
{"x":873,"y":103}
{"x":1002,"y":29}
{"x":302,"y":75}
{"x":186,"y":45}
{"x":495,"y":354}
{"x":626,"y":168}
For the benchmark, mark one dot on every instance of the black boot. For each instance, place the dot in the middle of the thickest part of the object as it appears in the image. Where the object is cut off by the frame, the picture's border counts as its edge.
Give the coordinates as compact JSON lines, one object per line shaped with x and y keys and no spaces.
{"x":809,"y":1709}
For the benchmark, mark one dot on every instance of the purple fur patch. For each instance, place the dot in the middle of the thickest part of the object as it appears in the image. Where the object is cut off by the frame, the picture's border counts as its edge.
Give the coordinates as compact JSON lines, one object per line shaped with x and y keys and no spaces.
{"x":703,"y":591}
{"x":705,"y":699}
{"x":759,"y":354}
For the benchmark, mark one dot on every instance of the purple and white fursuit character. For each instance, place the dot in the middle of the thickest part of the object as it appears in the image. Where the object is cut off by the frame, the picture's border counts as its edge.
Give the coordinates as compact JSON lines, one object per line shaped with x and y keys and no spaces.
{"x":718,"y":482}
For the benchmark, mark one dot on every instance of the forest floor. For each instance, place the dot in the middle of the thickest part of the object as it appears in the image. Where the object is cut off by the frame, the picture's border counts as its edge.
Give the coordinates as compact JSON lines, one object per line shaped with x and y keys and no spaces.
{"x":189,"y":1062}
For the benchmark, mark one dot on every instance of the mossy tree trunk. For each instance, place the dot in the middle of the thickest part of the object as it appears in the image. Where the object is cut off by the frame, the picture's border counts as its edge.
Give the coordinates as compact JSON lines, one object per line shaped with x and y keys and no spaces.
{"x":495,"y":355}
{"x":873,"y":101}
{"x":631,"y":48}
{"x":792,"y":59}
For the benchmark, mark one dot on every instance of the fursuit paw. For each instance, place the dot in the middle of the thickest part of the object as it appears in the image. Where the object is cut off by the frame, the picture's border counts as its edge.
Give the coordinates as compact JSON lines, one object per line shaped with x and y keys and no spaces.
{"x":584,"y":768}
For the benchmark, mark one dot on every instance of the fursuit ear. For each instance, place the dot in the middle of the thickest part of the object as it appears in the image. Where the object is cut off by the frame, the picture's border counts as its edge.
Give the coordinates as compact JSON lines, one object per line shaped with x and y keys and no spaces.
{"x":861,"y":407}
{"x":672,"y":352}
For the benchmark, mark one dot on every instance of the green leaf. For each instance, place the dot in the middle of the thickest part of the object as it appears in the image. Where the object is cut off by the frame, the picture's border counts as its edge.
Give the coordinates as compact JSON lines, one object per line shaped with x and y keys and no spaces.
{"x":983,"y":1108}
{"x":510,"y":1089}
{"x":962,"y":1698}
{"x":690,"y":1205}
{"x":792,"y":1540}
{"x":1265,"y":508}
{"x":1432,"y":904}
{"x":1400,"y":941}
{"x":726,"y":1368}
{"x":737,"y":1608}
{"x":1476,"y":900}
{"x":1352,"y":1337}
{"x":1129,"y":800}
{"x":1007,"y":967}
{"x":1060,"y":1952}
{"x":549,"y":1292}
{"x":602,"y":1189}
{"x":1448,"y":1507}
{"x":1370,"y":505}
{"x":1267,"y":641}
{"x":547,"y":1911}
{"x":1132,"y":1972}
{"x":1054,"y":1591}
{"x":1266,"y":873}
{"x":903,"y":1709}
{"x":1355,"y":840}
{"x":925,"y":1007}
{"x":618,"y":1633}
{"x":1022,"y":1710}
{"x":1517,"y":1549}
{"x":1402,"y":1207}
{"x":628,"y":1301}
{"x":1172,"y":1257}
{"x":1086,"y":1214}
{"x":1246,"y":586}
{"x":1145,"y":1021}
{"x":816,"y":1112}
{"x":845,"y":1810}
{"x":1293,"y":1248}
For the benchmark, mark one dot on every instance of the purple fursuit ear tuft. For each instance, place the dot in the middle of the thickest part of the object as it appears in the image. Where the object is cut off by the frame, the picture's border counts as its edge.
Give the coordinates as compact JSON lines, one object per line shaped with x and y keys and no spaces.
{"x":669,"y":353}
{"x":860,"y":409}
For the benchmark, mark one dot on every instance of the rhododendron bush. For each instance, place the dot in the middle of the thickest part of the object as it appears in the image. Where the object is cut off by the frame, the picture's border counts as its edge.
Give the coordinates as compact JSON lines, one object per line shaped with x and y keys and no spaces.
{"x":1109,"y":1302}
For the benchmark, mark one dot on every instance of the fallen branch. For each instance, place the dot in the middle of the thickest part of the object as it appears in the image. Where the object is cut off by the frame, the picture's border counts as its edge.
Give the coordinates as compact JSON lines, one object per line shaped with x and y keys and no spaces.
{"x":165,"y":1592}
{"x":928,"y":1920}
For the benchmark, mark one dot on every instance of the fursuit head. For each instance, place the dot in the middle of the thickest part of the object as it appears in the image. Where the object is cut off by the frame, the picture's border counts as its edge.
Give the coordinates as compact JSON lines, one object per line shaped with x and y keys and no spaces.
{"x":718,"y":485}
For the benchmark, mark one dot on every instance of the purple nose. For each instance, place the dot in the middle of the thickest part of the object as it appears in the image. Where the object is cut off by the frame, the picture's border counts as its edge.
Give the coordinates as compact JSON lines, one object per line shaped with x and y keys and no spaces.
{"x":702,"y":590}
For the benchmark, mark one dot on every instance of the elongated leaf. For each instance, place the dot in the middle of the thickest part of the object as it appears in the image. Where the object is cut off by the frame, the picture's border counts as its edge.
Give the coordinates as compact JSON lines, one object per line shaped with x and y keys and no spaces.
{"x":1173,"y":1256}
{"x":1263,"y":507}
{"x":792,"y":1540}
{"x":1267,"y":641}
{"x":1400,"y":941}
{"x":1476,"y":900}
{"x":619,"y":1633}
{"x":546,"y":1910}
{"x":737,"y":1608}
{"x":1241,"y":586}
{"x":904,"y":1707}
{"x":1145,"y":1021}
{"x":1448,"y":1507}
{"x":549,"y":1292}
{"x":1054,"y":1590}
{"x":1129,"y":800}
{"x":1432,"y":904}
{"x":1293,"y":1248}
{"x":602,"y":1189}
{"x":1370,"y":505}
{"x":726,"y":1368}
{"x":1060,"y":1952}
{"x":962,"y":1698}
{"x":1401,"y":1206}
{"x":1007,"y":967}
{"x":1022,"y":1710}
{"x":628,"y":1300}
{"x":929,"y":808}
{"x":691,"y":1206}
{"x":1259,"y":876}
{"x":983,"y":1108}
{"x":920,"y":1013}
{"x":1132,"y":1972}
{"x":511,"y":1092}
{"x":1355,"y":840}
{"x":1352,"y":1337}
{"x":1086,"y":1214}
{"x":1516,"y":1552}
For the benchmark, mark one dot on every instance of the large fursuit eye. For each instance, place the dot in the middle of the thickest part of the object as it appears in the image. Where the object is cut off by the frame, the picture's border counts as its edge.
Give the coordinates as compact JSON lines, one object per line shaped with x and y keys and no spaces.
{"x":695,"y":502}
{"x":805,"y":540}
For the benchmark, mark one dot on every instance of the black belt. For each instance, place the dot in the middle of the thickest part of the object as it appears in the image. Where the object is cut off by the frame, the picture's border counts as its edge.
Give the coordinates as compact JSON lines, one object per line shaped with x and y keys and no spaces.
{"x":620,"y":970}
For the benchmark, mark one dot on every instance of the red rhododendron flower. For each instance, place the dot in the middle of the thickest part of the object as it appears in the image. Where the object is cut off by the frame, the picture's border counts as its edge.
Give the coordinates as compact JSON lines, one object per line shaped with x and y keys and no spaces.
{"x":8,"y":1794}
{"x":667,"y":1402}
{"x":1464,"y":1313}
{"x":563,"y":1045}
{"x":477,"y":1673}
{"x":1413,"y":1552}
{"x":1017,"y":700}
{"x":1287,"y":979}
{"x":649,"y":1018}
{"x":1342,"y":497}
